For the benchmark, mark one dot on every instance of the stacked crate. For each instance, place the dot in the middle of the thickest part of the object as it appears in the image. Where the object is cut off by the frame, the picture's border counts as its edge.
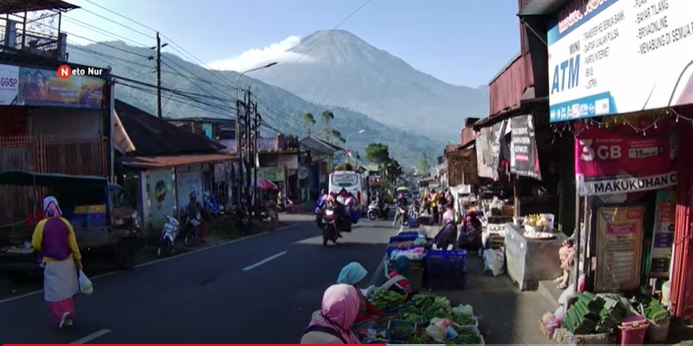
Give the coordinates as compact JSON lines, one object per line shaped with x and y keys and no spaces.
{"x":446,"y":270}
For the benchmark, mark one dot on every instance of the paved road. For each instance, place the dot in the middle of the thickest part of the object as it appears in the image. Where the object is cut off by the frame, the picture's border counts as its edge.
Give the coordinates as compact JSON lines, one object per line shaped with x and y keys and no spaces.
{"x":257,"y":290}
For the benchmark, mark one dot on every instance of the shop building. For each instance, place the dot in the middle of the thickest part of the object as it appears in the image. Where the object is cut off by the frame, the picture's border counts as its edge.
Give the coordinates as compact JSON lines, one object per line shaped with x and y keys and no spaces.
{"x":619,"y":86}
{"x":49,"y":122}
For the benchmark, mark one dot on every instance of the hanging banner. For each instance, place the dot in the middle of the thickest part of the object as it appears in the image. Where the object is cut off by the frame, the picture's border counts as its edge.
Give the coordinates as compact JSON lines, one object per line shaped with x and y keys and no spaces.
{"x":663,"y":234}
{"x":491,"y":149}
{"x":619,"y":160}
{"x":524,"y":159}
{"x":619,"y":247}
{"x":619,"y":56}
{"x":39,"y":87}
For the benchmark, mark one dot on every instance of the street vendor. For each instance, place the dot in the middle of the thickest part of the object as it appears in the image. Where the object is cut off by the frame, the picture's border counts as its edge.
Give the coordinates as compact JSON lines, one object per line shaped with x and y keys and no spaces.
{"x":470,"y":233}
{"x":397,"y":281}
{"x":448,"y":234}
{"x":353,"y":274}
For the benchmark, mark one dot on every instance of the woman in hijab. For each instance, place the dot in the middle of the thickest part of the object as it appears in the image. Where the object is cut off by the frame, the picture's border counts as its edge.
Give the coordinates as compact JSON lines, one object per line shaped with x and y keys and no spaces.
{"x":332,"y":323}
{"x":55,"y":242}
{"x":448,"y":234}
{"x":470,"y":233}
{"x":353,"y":274}
{"x":397,"y":281}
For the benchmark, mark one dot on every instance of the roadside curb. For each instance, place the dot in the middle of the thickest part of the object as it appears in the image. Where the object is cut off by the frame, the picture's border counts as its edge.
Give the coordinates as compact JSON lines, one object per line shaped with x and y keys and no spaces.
{"x":141,"y":265}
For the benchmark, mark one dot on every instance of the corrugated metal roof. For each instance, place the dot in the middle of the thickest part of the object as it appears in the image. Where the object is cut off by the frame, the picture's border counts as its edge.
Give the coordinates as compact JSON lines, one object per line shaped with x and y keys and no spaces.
{"x":318,"y":145}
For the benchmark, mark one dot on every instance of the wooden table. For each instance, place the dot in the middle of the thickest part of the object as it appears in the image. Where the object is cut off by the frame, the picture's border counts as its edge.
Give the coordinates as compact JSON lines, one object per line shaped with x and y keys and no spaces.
{"x":529,"y":261}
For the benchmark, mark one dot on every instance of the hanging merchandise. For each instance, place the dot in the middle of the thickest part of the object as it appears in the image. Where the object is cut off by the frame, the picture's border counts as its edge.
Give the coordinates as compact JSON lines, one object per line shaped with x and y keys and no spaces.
{"x":614,"y":161}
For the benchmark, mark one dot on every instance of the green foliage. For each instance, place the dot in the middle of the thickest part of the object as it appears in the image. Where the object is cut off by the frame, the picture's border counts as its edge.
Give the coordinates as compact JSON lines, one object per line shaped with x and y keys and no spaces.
{"x":308,"y":121}
{"x":423,"y":165}
{"x":378,"y":153}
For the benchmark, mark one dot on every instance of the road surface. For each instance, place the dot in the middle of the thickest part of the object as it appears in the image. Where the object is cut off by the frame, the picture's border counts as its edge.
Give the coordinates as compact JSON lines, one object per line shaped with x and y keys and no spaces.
{"x":261,"y":289}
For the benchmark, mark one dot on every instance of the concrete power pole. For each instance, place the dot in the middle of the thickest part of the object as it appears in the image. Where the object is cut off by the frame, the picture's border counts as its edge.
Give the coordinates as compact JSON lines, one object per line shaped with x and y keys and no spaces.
{"x":256,"y":155}
{"x":248,"y":145}
{"x":240,"y":148}
{"x":159,"y":112}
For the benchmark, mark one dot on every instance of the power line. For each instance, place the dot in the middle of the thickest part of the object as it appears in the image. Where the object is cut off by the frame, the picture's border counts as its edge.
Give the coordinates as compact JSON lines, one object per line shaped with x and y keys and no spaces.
{"x":353,"y":13}
{"x":102,"y":31}
{"x":121,"y":16}
{"x":113,"y":21}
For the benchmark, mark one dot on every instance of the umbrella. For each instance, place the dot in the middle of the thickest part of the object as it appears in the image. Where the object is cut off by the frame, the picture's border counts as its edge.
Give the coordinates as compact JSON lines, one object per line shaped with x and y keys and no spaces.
{"x":266,"y":184}
{"x":402,"y":189}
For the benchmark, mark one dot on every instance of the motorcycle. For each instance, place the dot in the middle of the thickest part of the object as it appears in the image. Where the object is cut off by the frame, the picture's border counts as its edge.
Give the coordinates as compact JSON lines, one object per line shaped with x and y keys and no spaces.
{"x":330,"y":230}
{"x":169,"y":233}
{"x":374,"y":212}
{"x":191,"y":233}
{"x":211,"y":206}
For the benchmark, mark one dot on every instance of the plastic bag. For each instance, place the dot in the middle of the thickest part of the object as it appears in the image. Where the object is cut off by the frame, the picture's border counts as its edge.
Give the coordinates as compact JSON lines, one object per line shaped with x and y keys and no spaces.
{"x":463,"y":310}
{"x":85,"y":285}
{"x":438,"y":333}
{"x":494,"y":261}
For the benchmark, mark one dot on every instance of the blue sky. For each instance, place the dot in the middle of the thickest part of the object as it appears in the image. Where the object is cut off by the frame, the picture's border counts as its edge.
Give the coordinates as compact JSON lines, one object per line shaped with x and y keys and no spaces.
{"x":459,"y":41}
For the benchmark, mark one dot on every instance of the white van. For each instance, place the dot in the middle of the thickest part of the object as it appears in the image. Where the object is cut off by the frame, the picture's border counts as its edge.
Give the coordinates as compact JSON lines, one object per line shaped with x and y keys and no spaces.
{"x":353,"y":182}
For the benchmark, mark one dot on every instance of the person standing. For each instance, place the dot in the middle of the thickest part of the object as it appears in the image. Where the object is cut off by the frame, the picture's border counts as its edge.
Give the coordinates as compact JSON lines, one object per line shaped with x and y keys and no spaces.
{"x":435,"y":196}
{"x":56,"y":245}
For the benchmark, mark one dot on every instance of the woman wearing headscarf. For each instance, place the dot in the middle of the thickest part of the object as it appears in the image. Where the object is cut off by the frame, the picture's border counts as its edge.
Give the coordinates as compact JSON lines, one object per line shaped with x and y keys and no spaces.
{"x":353,"y":274}
{"x":55,"y":242}
{"x":470,"y":233}
{"x":332,"y":323}
{"x":397,"y":281}
{"x":448,"y":234}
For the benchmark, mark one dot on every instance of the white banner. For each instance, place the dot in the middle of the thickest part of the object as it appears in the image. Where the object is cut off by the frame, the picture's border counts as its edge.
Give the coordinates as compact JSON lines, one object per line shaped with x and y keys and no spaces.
{"x":626,"y":184}
{"x":9,"y":84}
{"x":620,"y":56}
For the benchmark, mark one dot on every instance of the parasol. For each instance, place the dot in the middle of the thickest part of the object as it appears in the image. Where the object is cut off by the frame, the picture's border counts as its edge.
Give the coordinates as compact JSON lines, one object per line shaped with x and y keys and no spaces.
{"x":266,"y":184}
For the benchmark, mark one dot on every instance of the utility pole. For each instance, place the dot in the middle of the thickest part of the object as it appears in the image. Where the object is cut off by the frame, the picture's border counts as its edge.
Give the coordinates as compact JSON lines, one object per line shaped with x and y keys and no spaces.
{"x":249,"y":145}
{"x":159,"y":112}
{"x":239,"y":148}
{"x":257,"y":121}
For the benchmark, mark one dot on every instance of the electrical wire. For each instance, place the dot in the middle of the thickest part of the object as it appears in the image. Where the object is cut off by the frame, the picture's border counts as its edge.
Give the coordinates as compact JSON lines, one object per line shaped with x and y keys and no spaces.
{"x":102,"y":31}
{"x":113,"y":21}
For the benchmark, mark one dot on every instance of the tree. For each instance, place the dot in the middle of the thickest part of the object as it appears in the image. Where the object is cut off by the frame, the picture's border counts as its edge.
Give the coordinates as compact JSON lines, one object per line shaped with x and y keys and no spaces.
{"x":308,"y":122}
{"x":327,"y":132}
{"x":394,"y":169}
{"x":422,"y":164}
{"x":337,"y":136}
{"x":378,"y":153}
{"x":327,"y":116}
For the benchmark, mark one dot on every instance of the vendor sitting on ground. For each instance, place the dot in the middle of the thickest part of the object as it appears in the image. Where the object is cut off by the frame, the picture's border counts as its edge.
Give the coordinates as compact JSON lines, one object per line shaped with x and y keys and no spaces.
{"x":448,"y":234}
{"x":353,"y":274}
{"x":470,"y":233}
{"x":397,"y":282}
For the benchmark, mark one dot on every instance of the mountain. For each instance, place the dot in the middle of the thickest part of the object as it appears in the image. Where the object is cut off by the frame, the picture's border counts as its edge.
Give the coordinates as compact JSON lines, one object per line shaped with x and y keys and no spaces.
{"x":340,"y":68}
{"x":281,"y":109}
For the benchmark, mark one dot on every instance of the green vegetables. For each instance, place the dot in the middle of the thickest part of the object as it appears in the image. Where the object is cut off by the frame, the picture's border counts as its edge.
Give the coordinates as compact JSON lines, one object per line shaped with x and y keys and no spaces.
{"x":421,"y":301}
{"x":386,"y":300}
{"x":413,"y":314}
{"x":421,"y":339}
{"x":402,"y":330}
{"x":466,"y":339}
{"x":439,"y":308}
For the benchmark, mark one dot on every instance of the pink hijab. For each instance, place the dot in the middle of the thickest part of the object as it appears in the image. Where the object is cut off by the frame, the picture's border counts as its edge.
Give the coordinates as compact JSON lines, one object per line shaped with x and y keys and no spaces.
{"x":340,"y":306}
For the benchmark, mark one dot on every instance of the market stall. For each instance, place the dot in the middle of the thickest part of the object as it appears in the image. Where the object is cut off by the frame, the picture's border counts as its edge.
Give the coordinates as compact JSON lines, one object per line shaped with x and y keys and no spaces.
{"x":532,"y":254}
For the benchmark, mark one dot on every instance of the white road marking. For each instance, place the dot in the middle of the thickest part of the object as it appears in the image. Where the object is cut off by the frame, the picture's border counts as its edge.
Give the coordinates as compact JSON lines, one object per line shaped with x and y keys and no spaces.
{"x":273,"y":257}
{"x":29,"y":294}
{"x":91,"y":337}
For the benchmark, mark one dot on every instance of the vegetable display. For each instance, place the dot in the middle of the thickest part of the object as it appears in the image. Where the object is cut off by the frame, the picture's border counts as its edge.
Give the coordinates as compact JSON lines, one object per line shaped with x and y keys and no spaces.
{"x":386,"y":300}
{"x":440,"y":308}
{"x":413,"y":314}
{"x":402,"y":330}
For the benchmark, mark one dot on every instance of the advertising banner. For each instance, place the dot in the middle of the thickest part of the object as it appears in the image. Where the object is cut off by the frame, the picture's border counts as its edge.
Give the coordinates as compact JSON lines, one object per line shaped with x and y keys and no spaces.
{"x":524,"y":159}
{"x":619,"y":246}
{"x":38,"y":87}
{"x":663,"y":234}
{"x":273,"y":174}
{"x":620,"y":56}
{"x":9,"y":84}
{"x":491,"y":149}
{"x":619,"y":160}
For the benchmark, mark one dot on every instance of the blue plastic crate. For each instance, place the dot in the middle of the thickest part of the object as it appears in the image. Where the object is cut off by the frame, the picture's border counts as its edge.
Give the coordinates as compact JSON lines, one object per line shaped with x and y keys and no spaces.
{"x":390,"y":249}
{"x":446,"y":262}
{"x":409,"y":234}
{"x":403,"y":237}
{"x":413,"y":223}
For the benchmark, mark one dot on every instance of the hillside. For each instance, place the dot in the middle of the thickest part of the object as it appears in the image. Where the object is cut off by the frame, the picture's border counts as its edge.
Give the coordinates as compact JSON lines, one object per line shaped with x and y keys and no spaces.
{"x":345,"y":70}
{"x":280,"y":108}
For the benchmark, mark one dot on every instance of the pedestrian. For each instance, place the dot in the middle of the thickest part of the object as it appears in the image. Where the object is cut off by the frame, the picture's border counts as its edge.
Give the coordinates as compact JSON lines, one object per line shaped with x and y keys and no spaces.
{"x":353,"y":274}
{"x":434,"y":206}
{"x":333,"y":322}
{"x":56,"y":246}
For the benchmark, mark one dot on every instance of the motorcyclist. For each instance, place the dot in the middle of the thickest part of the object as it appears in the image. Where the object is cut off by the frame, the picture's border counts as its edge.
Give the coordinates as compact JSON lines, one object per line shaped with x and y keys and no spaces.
{"x":192,"y":209}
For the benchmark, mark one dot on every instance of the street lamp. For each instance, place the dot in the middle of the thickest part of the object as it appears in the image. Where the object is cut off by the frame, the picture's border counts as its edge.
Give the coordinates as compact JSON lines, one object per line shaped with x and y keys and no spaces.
{"x":238,"y":128}
{"x":355,"y":133}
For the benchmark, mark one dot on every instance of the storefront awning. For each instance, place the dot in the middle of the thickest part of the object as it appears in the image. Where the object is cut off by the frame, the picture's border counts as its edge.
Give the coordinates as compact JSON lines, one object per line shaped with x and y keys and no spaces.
{"x":541,"y":7}
{"x":173,"y":161}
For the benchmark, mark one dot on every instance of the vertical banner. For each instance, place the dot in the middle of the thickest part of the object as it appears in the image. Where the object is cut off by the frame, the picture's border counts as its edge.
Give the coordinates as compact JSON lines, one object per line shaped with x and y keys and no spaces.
{"x":524,"y":159}
{"x":161,"y":196}
{"x":663,"y":234}
{"x":619,"y":248}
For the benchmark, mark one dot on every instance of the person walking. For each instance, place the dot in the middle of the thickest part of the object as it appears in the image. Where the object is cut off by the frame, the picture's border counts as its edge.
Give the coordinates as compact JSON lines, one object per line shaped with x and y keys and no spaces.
{"x":56,"y":246}
{"x":435,"y":197}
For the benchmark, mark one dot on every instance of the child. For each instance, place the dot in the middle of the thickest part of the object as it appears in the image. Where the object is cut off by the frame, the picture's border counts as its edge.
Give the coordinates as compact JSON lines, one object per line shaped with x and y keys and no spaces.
{"x":566,"y":255}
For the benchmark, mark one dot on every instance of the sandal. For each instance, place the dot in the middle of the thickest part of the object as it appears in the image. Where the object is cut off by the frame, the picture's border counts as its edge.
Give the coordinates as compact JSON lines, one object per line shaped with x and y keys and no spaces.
{"x":562,"y":286}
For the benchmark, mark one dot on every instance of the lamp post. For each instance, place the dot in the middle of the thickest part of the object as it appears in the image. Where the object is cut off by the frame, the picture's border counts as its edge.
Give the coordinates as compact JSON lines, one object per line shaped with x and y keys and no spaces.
{"x":238,"y":126}
{"x":346,"y":139}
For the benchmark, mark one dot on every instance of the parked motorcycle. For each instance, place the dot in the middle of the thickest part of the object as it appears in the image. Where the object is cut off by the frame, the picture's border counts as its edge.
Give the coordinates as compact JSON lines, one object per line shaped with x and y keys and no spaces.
{"x":211,"y":206}
{"x":375,"y":212}
{"x":330,"y":229}
{"x":169,"y":233}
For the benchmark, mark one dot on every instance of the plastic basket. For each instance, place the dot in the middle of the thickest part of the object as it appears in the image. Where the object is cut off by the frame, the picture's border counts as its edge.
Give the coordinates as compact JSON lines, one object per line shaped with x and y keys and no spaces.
{"x":397,"y":336}
{"x":403,"y":237}
{"x":408,"y":234}
{"x":446,"y":262}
